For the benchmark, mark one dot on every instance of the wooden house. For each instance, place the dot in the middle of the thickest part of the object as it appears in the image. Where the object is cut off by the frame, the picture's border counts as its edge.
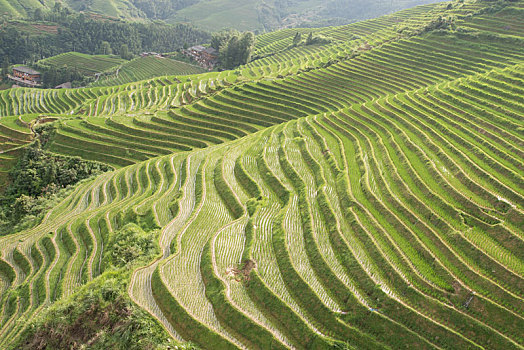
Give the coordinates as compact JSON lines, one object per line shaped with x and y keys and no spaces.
{"x":27,"y":73}
{"x":207,"y":57}
{"x":26,"y":76}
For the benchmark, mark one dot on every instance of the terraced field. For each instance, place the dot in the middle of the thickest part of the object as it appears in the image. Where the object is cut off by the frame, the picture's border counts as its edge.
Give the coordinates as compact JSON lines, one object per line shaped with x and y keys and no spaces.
{"x":119,"y":99}
{"x":85,"y":64}
{"x":376,"y":201}
{"x":146,"y":68}
{"x":15,"y":134}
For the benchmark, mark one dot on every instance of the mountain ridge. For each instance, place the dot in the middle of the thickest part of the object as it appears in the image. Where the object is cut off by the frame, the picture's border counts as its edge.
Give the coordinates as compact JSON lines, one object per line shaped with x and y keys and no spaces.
{"x":214,"y":15}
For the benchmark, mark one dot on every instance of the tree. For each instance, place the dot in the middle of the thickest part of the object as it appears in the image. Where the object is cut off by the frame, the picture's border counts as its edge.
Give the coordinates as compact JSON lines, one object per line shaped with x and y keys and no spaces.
{"x":228,"y":53}
{"x":51,"y":78}
{"x":246,"y":44}
{"x":124,"y":52}
{"x":58,"y":7}
{"x":81,"y":33}
{"x":221,"y":39}
{"x":297,"y":39}
{"x":22,"y":206}
{"x":236,"y":50}
{"x":309,"y":39}
{"x":5,"y":68}
{"x":105,"y":48}
{"x":38,"y":15}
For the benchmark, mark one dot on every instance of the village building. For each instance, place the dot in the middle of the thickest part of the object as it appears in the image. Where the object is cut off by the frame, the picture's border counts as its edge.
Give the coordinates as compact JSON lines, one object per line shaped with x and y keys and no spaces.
{"x":26,"y":76}
{"x":67,"y":85}
{"x":151,"y":54}
{"x":207,"y":57}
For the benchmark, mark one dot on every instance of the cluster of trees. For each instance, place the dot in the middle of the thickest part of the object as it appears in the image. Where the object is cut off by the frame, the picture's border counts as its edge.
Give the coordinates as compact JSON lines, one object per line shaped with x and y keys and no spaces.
{"x":36,"y":179}
{"x":234,"y":48}
{"x":81,"y":33}
{"x":438,"y":23}
{"x":58,"y":12}
{"x":310,"y":40}
{"x":5,"y":68}
{"x":53,"y":76}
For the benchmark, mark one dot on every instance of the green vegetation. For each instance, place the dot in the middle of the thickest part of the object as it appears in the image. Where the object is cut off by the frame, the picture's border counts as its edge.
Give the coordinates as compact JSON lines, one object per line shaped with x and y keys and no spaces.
{"x":215,"y":15}
{"x":100,"y":316}
{"x":130,"y":243}
{"x":74,"y":67}
{"x":38,"y":181}
{"x":84,"y":64}
{"x":264,"y":16}
{"x":144,"y":68}
{"x":61,"y":31}
{"x":234,"y":49}
{"x":364,"y":191}
{"x":5,"y":68}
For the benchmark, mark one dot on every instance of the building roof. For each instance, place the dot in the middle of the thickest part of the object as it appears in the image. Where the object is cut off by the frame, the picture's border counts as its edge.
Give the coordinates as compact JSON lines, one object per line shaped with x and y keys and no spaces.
{"x":26,"y":70}
{"x":64,"y":86}
{"x":211,"y":51}
{"x":197,"y":48}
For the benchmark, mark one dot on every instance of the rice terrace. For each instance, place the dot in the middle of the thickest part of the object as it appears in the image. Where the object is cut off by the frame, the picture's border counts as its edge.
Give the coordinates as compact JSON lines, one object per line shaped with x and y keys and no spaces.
{"x":358,"y":186}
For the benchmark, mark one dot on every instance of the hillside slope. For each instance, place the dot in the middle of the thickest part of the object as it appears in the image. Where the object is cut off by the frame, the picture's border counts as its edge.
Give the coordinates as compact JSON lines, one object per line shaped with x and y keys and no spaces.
{"x":262,"y":16}
{"x":144,"y":68}
{"x":366,"y":193}
{"x":85,"y":64}
{"x":112,"y":8}
{"x":23,"y":8}
{"x":213,"y":15}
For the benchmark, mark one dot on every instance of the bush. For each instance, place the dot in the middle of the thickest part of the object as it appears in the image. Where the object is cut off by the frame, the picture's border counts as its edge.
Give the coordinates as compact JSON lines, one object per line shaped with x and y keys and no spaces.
{"x":100,"y":316}
{"x":131,"y":244}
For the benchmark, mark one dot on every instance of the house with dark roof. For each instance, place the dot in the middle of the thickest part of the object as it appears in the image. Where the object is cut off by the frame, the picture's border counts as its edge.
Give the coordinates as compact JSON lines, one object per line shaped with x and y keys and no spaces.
{"x":67,"y":85}
{"x":26,"y":76}
{"x":207,"y":57}
{"x":196,"y":50}
{"x":210,"y":53}
{"x":151,"y":54}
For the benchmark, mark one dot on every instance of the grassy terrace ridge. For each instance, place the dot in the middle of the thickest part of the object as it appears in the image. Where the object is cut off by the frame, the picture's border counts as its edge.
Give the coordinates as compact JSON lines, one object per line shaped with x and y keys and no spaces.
{"x":367,"y":193}
{"x":85,"y":64}
{"x":143,"y":68}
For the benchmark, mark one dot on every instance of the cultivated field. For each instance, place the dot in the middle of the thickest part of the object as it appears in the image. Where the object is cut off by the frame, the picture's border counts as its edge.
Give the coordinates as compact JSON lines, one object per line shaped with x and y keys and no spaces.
{"x":146,"y":68}
{"x":84,"y":64}
{"x":367,"y":192}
